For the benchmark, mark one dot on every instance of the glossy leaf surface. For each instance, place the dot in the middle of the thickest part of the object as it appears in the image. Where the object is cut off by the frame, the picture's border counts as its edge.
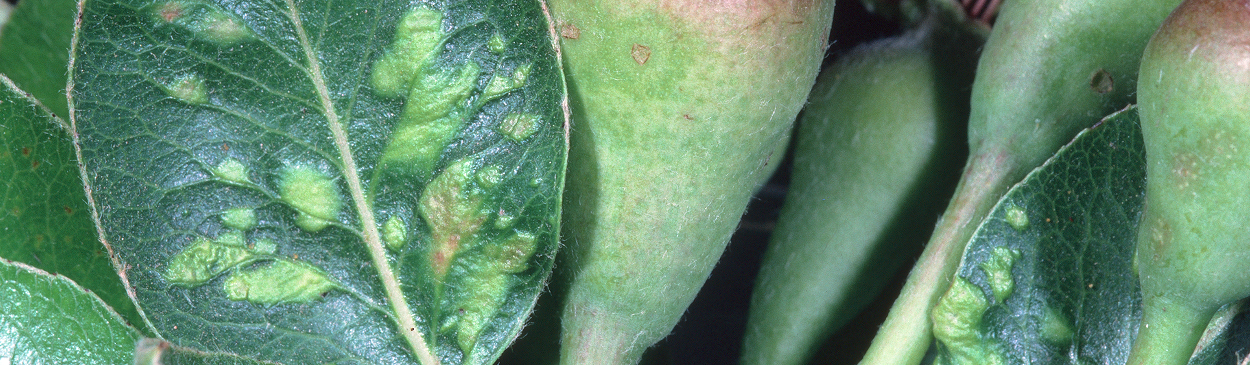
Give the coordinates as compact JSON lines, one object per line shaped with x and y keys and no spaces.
{"x":48,"y":319}
{"x":311,"y":182}
{"x":1070,"y":294}
{"x":44,"y":220}
{"x":1048,"y":277}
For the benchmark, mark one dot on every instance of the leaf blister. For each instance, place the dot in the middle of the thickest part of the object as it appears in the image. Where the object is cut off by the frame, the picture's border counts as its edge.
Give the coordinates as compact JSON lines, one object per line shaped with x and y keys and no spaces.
{"x":261,"y":116}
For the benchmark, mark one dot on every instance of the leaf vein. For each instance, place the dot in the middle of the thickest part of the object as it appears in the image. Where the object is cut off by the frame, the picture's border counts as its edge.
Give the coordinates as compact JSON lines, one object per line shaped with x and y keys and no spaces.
{"x":372,"y":239}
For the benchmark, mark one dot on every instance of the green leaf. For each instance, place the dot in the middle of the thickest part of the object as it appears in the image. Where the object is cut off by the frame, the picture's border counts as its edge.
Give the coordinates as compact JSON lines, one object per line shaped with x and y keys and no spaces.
{"x":311,"y":182}
{"x":34,"y":49}
{"x":1048,"y":277}
{"x":48,"y":319}
{"x":44,"y":220}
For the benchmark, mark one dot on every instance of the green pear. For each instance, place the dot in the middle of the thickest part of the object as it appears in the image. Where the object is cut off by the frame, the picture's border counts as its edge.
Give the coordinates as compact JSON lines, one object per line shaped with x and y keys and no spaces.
{"x":1192,"y":242}
{"x":877,"y":152}
{"x":679,"y":108}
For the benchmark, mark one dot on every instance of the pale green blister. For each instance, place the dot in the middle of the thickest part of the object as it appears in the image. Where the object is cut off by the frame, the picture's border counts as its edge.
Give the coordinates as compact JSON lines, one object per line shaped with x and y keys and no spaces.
{"x":312,"y":194}
{"x":500,"y":84}
{"x":451,"y":207}
{"x":239,"y":218}
{"x":957,"y":325}
{"x":202,"y":261}
{"x":496,"y":44}
{"x":490,"y":176}
{"x":489,"y":287}
{"x":206,"y":21}
{"x":231,"y":170}
{"x":433,"y":114}
{"x":189,"y":89}
{"x":394,"y":233}
{"x":490,"y":282}
{"x":1056,"y":327}
{"x":231,"y":238}
{"x":417,"y":40}
{"x":998,"y":272}
{"x":519,"y":126}
{"x":281,"y":281}
{"x":264,"y":246}
{"x":958,"y":314}
{"x":1017,"y":218}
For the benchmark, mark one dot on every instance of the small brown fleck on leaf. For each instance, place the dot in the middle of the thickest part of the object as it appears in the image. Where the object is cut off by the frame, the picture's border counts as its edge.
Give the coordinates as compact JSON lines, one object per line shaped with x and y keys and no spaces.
{"x":34,"y":164}
{"x":641,"y":53}
{"x":225,"y":146}
{"x":687,"y":116}
{"x":295,"y":257}
{"x":68,"y":210}
{"x":569,"y":31}
{"x":171,"y":11}
{"x":25,"y":151}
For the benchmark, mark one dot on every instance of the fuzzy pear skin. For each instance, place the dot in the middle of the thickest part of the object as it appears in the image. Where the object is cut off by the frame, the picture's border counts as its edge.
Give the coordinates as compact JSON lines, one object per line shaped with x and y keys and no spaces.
{"x":679,"y":108}
{"x":1192,"y":244}
{"x":877,"y":151}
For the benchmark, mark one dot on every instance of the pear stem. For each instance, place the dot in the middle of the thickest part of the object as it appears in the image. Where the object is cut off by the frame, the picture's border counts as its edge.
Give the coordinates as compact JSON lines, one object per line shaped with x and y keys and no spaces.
{"x":907,"y":332}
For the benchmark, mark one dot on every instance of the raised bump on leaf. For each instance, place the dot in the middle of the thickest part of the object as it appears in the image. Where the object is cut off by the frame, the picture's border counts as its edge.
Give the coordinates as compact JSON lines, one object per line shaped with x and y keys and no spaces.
{"x":394,"y":233}
{"x":489,"y":281}
{"x":488,"y":289}
{"x":1017,"y":218}
{"x":490,"y":176}
{"x":313,"y":194}
{"x":496,"y":44}
{"x":513,"y":254}
{"x":189,"y":89}
{"x":957,"y":325}
{"x":207,"y":21}
{"x":231,"y":170}
{"x":500,"y":85}
{"x":433,"y":114}
{"x":519,"y":126}
{"x":239,"y":218}
{"x":281,"y":281}
{"x":1056,"y":328}
{"x":998,"y":272}
{"x":231,"y":238}
{"x":417,"y":40}
{"x":451,"y":207}
{"x":264,"y":246}
{"x":202,"y":261}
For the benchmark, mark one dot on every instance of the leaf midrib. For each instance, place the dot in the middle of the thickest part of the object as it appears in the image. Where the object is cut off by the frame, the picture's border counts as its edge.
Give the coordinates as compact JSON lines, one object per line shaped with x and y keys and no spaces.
{"x":372,"y":240}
